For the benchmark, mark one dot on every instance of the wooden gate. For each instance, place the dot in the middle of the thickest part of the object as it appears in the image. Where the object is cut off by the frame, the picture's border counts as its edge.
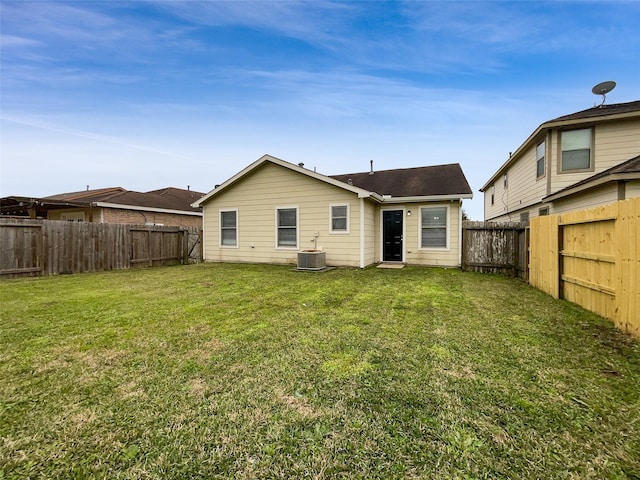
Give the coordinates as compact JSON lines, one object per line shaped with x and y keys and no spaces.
{"x":154,"y":248}
{"x":587,"y":264}
{"x":592,"y":258}
{"x":50,"y":247}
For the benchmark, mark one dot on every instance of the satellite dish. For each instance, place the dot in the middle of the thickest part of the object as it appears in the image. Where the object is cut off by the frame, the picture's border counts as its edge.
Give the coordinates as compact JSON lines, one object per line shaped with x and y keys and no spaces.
{"x":603,"y":88}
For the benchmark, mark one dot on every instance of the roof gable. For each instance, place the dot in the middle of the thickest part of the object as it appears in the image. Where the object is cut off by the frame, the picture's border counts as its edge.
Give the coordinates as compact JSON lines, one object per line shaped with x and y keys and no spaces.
{"x":296,"y":168}
{"x":443,"y":180}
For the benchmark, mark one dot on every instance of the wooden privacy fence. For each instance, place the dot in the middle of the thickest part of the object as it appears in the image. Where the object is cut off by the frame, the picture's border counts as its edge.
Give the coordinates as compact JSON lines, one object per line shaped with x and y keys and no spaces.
{"x":49,"y":247}
{"x":592,"y":258}
{"x":495,"y":248}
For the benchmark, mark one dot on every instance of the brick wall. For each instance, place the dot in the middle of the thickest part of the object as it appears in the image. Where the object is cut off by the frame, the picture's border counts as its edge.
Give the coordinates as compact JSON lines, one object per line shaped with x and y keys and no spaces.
{"x":112,"y":215}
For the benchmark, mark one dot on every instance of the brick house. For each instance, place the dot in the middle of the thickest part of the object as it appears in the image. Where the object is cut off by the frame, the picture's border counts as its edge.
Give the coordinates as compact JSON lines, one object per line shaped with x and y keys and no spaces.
{"x":167,"y":206}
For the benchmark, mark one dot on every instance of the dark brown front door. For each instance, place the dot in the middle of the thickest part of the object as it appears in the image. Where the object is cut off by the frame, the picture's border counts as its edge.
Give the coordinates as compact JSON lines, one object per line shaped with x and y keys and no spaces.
{"x":392,"y":235}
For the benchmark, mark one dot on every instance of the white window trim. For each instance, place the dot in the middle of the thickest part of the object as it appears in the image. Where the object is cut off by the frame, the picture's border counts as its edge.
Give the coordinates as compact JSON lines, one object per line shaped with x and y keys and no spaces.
{"x":543,"y":158}
{"x":278,"y":247}
{"x":448,"y":228}
{"x":339,"y":232}
{"x":220,"y":212}
{"x":591,"y":167}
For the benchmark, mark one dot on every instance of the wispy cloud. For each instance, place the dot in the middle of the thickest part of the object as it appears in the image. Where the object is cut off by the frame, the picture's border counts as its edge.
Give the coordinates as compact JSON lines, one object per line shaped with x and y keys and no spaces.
{"x":34,"y":123}
{"x":305,"y":20}
{"x":525,"y":27}
{"x":10,"y":41}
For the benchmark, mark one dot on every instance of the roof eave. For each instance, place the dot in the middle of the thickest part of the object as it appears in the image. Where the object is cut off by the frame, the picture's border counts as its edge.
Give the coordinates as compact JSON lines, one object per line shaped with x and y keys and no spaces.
{"x":548,"y":125}
{"x":592,"y":184}
{"x":145,"y":209}
{"x":428,"y":198}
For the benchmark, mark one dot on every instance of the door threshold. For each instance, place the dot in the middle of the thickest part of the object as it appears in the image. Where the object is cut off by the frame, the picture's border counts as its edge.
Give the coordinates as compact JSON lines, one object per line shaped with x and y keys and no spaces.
{"x":396,"y":265}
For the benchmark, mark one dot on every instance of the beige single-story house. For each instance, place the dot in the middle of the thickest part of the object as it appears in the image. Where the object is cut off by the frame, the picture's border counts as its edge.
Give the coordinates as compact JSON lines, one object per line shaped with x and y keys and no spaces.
{"x":273,"y":209}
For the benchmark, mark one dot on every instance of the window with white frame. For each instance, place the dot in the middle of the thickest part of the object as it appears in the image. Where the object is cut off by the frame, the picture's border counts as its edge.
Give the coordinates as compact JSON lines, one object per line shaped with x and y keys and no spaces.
{"x":339,"y":218}
{"x":433,"y":225}
{"x":492,"y":192}
{"x":287,"y":227}
{"x":576,"y":150}
{"x":540,"y":154}
{"x":228,"y":228}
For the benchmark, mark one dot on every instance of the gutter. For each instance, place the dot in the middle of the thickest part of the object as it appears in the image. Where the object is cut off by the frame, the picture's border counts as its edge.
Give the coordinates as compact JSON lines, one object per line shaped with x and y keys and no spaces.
{"x":426,"y":198}
{"x":144,"y":209}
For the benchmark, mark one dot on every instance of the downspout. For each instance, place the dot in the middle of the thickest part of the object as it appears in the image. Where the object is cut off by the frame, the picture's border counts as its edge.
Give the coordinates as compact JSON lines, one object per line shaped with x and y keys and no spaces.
{"x":203,"y":255}
{"x":460,"y":234}
{"x":362,"y":233}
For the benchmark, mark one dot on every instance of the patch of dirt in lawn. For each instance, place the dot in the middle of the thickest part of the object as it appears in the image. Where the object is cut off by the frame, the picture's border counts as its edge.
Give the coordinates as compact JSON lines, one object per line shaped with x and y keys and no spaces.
{"x":203,"y":353}
{"x":198,"y":387}
{"x":130,"y":389}
{"x":459,"y":371}
{"x":299,"y":405}
{"x":94,"y":360}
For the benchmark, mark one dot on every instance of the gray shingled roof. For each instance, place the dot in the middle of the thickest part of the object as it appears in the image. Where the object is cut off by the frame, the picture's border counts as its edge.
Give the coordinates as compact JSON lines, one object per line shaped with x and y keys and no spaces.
{"x":600,"y":111}
{"x":169,"y":198}
{"x":411,"y":182}
{"x":631,"y":166}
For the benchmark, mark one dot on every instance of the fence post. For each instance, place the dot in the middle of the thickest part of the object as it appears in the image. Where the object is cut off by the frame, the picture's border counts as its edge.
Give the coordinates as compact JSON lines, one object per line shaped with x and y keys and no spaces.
{"x":560,"y":236}
{"x":185,"y":246}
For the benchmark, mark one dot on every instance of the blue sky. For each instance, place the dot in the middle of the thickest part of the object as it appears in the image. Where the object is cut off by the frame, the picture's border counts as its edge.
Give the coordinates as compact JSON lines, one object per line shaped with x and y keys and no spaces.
{"x":149,"y":94}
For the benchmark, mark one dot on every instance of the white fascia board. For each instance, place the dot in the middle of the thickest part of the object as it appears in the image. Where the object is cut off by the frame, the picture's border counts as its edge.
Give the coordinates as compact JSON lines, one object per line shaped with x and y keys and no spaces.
{"x":296,"y":168}
{"x":427,"y":198}
{"x":145,"y":209}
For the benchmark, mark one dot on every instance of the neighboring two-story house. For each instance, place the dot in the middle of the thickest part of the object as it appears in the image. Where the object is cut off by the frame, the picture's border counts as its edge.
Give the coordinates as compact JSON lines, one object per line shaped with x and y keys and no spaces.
{"x":576,"y":161}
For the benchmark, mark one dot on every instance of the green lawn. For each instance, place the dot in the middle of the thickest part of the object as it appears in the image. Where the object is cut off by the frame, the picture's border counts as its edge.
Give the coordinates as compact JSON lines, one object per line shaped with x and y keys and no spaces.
{"x":228,"y":371}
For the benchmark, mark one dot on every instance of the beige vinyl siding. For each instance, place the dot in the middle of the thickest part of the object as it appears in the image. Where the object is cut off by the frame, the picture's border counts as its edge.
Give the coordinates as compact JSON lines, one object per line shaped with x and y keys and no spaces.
{"x":523,"y":186}
{"x":370,"y":237}
{"x":377,"y":225}
{"x":414,"y":254}
{"x":256,"y":198}
{"x":632,"y":189}
{"x":58,"y":214}
{"x":490,"y":211}
{"x":614,"y":143}
{"x":593,"y":197}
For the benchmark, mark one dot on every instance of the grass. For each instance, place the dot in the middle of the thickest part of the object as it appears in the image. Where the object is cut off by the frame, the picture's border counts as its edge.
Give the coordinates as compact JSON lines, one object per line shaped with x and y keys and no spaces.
{"x":227,"y":371}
